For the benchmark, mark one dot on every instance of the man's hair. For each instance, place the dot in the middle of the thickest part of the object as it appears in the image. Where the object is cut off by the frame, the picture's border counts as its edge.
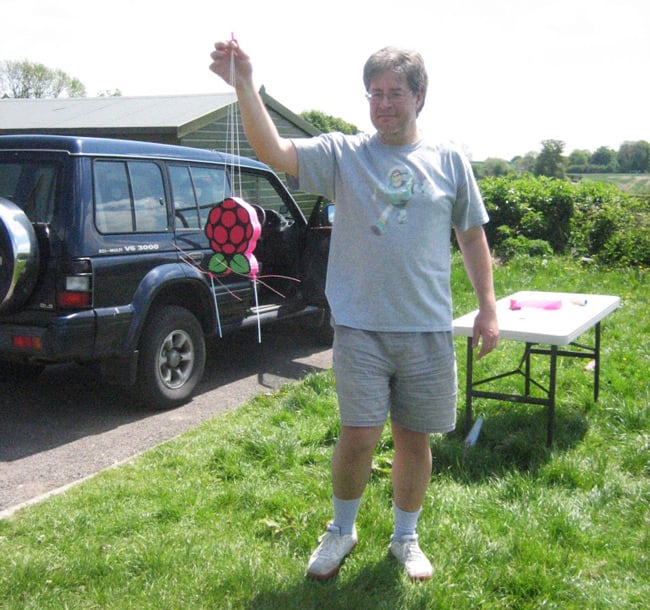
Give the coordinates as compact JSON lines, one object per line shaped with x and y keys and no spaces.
{"x":401,"y":61}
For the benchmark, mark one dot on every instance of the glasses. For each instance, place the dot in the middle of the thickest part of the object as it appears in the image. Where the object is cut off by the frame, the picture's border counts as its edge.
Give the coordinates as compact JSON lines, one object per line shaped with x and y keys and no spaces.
{"x":392,"y":97}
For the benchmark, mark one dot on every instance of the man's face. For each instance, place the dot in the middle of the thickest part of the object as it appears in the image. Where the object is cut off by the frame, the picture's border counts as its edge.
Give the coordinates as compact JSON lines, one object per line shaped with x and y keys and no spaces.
{"x":393,"y":108}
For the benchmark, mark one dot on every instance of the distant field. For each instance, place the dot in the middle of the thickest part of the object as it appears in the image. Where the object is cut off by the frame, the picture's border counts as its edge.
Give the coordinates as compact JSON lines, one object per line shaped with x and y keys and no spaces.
{"x":634,"y":184}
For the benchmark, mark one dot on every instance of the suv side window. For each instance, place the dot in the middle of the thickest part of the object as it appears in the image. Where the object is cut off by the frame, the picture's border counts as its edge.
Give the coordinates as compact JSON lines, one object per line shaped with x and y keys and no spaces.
{"x":195,"y":191}
{"x":257,"y":189}
{"x":129,"y":197}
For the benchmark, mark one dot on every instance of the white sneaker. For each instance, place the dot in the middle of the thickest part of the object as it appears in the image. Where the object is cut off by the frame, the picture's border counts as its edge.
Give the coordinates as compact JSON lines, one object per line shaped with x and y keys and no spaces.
{"x":408,"y":552}
{"x":334,"y":547}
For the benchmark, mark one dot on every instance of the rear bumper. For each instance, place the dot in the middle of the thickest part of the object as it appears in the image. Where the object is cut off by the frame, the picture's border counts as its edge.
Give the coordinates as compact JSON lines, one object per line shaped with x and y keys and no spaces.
{"x":66,"y":338}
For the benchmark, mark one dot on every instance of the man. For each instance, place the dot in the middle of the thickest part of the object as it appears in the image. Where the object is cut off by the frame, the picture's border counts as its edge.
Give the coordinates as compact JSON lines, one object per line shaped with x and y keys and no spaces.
{"x":397,"y":200}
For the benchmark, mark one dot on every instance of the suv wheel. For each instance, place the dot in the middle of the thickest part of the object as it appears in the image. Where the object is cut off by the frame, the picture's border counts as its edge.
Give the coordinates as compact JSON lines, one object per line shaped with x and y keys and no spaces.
{"x":325,"y":330}
{"x":172,"y":357}
{"x":18,"y":256}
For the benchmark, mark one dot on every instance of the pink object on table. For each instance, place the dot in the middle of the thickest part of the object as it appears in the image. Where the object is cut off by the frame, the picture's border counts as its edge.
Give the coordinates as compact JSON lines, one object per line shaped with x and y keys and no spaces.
{"x":543,"y":304}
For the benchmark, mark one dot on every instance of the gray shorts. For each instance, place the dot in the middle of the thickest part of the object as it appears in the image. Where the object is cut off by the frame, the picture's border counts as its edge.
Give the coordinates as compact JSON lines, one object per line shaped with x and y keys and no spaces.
{"x":411,"y":376}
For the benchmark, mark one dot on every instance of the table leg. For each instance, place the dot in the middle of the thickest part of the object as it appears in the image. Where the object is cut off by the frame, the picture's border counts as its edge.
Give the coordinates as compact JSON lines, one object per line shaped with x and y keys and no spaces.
{"x":468,"y":385}
{"x":551,"y":397}
{"x":527,"y":369}
{"x":597,"y":361}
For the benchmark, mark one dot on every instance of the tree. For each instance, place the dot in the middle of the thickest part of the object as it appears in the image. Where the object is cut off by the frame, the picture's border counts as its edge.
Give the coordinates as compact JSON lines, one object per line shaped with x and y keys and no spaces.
{"x":525,"y":164}
{"x":493,"y":166}
{"x":327,"y":123}
{"x":24,"y":79}
{"x":579,"y":160}
{"x":550,"y":161}
{"x":579,"y":157}
{"x":109,"y":93}
{"x":634,"y":156}
{"x":604,"y":158}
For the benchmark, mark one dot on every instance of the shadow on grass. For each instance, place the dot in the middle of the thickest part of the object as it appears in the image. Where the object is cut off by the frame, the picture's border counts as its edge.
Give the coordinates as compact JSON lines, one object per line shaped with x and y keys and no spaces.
{"x":511,"y":438}
{"x":378,"y":585}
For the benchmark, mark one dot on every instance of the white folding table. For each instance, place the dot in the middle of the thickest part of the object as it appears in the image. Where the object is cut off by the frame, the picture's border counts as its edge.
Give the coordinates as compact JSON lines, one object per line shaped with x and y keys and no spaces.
{"x":544,"y":321}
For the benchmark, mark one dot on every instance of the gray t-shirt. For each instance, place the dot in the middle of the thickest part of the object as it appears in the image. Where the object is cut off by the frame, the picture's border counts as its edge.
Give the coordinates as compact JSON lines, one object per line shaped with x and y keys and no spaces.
{"x":389,"y":264}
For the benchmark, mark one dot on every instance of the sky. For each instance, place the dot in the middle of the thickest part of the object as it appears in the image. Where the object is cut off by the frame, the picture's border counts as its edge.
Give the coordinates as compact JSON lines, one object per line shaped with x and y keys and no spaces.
{"x":504,"y":75}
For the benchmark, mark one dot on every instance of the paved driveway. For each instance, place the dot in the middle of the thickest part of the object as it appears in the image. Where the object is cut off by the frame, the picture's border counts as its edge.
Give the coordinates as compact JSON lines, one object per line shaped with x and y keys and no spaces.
{"x":67,"y":426}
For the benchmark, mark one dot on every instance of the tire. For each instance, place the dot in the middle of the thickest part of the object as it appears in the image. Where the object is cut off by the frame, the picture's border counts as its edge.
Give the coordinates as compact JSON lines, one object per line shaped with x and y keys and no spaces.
{"x":172,"y":357}
{"x":19,"y":256}
{"x":325,"y":330}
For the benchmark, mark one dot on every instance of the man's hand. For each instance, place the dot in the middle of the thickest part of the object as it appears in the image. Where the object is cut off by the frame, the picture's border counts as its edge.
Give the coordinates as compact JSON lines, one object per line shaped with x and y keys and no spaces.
{"x":478,"y":263}
{"x":222,"y":62}
{"x":486,"y":332}
{"x":236,"y":68}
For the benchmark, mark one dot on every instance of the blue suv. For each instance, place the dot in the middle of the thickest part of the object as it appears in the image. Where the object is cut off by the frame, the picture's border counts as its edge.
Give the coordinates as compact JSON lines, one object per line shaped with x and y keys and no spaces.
{"x":105,"y":258}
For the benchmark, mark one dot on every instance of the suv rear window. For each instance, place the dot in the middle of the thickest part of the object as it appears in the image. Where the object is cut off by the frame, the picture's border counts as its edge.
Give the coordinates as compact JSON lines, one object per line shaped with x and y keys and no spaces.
{"x":31,"y":184}
{"x":129,"y":197}
{"x":195,"y":191}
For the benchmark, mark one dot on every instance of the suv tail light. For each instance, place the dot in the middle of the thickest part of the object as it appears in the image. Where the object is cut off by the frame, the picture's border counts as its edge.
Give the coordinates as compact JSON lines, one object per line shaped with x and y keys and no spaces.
{"x":26,"y":342}
{"x":77,"y":286}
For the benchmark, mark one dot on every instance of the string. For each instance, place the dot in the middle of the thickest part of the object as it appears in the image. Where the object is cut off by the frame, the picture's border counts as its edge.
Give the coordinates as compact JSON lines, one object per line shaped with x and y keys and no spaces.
{"x":216,"y":306}
{"x":233,"y":135}
{"x":232,"y":128}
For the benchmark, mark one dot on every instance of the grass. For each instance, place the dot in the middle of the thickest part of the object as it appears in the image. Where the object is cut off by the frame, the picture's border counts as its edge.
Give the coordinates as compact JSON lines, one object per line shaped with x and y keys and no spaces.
{"x":225,"y":516}
{"x":632,"y":184}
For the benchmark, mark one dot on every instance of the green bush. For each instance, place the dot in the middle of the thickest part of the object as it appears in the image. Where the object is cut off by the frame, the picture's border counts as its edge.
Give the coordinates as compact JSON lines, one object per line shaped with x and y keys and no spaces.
{"x":532,"y":215}
{"x":628,"y":249}
{"x":536,"y":208}
{"x":599,"y":213}
{"x":512,"y":247}
{"x":610,"y":225}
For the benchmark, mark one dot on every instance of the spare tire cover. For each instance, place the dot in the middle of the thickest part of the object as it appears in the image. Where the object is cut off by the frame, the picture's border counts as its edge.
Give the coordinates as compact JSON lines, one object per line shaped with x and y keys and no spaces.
{"x":18,"y":256}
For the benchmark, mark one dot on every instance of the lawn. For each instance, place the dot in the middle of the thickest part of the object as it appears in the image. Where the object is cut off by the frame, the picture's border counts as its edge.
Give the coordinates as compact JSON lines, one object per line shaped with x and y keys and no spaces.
{"x":226,"y":516}
{"x":632,"y":184}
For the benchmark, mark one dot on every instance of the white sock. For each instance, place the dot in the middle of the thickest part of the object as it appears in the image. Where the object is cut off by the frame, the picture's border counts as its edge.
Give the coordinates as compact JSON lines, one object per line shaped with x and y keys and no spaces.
{"x":405,"y":522}
{"x":345,"y":513}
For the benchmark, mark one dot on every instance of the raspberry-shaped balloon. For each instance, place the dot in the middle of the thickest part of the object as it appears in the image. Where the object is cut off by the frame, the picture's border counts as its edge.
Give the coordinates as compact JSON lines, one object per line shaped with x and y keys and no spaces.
{"x":233,"y":230}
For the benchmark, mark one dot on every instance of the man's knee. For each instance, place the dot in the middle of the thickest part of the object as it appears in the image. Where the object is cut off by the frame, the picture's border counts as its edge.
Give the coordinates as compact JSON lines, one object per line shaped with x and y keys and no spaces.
{"x":405,"y":439}
{"x":359,"y":439}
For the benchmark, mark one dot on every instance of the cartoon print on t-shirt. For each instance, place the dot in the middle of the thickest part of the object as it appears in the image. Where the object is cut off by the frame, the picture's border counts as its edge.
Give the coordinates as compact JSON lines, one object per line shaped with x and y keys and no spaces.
{"x":398,"y":191}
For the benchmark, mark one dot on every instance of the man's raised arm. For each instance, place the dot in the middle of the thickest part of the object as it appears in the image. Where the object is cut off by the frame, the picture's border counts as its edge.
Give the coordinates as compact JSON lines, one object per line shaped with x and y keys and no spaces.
{"x":235,"y":67}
